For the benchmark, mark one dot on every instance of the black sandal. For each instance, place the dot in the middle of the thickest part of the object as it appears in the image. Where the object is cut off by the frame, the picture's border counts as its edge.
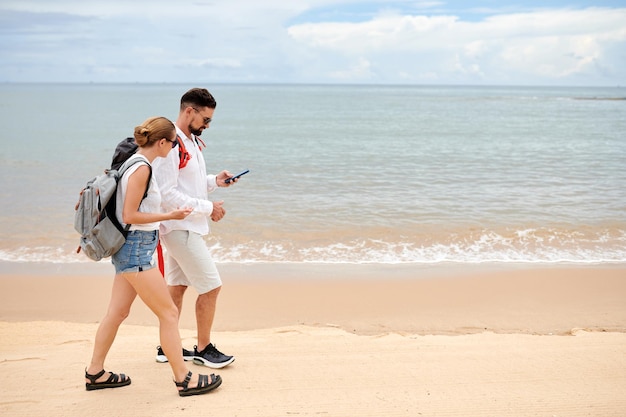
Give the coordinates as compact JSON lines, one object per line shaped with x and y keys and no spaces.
{"x":203,"y":385}
{"x":114,"y":381}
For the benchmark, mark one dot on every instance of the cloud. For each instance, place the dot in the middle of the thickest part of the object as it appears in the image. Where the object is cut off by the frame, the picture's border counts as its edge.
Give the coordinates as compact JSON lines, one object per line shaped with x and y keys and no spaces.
{"x":212,"y":63}
{"x":322,"y":41}
{"x":544,"y":46}
{"x":384,"y":32}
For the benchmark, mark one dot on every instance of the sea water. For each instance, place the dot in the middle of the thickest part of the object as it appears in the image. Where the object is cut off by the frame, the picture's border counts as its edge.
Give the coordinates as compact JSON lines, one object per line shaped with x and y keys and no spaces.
{"x":343,"y":174}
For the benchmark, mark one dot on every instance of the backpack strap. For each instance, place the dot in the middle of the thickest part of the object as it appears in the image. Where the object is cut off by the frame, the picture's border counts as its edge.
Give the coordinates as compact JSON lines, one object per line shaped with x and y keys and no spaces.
{"x":183,"y":155}
{"x":199,"y":141}
{"x":126,"y":166}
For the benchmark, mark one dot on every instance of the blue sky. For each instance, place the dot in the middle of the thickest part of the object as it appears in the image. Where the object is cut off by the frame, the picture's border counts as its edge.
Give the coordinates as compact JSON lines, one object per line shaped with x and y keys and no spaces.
{"x":316,"y":41}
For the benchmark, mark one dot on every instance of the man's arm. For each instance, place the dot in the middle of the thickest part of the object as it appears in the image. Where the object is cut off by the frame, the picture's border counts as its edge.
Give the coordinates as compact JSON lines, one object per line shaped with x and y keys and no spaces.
{"x":166,"y":173}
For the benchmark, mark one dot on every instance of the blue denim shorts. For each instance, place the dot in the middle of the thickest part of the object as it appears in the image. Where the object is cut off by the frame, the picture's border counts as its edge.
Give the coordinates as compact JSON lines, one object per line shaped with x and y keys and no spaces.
{"x":137,"y":253}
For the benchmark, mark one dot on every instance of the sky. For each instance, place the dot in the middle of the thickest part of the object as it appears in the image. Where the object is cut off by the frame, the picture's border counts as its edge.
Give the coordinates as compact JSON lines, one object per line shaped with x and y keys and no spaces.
{"x":456,"y":42}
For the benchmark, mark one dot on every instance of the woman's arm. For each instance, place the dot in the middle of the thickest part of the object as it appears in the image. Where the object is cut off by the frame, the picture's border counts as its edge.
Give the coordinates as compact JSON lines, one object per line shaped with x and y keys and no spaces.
{"x":135,"y":191}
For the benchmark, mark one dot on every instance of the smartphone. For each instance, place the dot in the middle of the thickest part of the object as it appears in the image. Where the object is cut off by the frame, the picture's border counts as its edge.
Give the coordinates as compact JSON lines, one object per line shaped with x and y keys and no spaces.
{"x":228,"y":180}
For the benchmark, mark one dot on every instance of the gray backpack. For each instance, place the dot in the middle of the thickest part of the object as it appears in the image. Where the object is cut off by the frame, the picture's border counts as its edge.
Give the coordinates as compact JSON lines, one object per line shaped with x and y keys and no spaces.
{"x":101,"y":234}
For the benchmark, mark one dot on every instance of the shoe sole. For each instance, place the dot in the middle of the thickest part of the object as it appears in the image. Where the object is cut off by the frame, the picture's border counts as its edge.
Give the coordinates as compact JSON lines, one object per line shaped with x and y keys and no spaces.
{"x":163,"y":359}
{"x":105,"y":385}
{"x":213,"y":365}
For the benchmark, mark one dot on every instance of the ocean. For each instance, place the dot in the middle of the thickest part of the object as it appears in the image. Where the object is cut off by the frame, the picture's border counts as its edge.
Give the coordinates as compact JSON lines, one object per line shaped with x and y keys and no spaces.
{"x":343,"y":173}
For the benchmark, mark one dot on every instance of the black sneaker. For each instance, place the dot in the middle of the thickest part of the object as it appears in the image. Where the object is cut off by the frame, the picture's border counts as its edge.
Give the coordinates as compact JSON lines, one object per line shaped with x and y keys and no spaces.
{"x":211,"y":357}
{"x":161,"y":358}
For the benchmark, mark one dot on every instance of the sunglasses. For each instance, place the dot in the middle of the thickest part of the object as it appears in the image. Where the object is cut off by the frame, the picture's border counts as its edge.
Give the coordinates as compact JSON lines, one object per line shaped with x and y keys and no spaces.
{"x":206,"y":120}
{"x":174,"y":142}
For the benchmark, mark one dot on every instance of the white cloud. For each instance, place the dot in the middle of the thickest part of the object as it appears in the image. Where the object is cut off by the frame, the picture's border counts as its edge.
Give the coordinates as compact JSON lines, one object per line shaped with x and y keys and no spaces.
{"x":384,"y":32}
{"x":387,"y":41}
{"x":545,"y":46}
{"x":157,"y":9}
{"x":213,"y":63}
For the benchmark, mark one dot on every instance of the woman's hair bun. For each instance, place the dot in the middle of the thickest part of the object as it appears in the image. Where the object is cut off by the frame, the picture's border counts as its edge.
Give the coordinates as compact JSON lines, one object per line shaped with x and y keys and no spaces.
{"x":153,"y":130}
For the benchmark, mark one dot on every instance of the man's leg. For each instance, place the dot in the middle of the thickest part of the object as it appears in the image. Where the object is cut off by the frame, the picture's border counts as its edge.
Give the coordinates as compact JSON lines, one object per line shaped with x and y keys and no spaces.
{"x":205,"y":313}
{"x":205,"y":352}
{"x":195,"y":267}
{"x":178,"y":292}
{"x":176,"y":288}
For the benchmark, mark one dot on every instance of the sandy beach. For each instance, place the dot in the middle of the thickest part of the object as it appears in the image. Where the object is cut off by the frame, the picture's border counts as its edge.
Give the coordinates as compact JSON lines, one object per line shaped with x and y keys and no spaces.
{"x":332,"y":340}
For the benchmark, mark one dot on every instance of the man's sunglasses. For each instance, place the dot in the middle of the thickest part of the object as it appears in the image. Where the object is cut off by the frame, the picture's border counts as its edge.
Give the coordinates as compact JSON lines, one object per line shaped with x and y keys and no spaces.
{"x":206,"y":120}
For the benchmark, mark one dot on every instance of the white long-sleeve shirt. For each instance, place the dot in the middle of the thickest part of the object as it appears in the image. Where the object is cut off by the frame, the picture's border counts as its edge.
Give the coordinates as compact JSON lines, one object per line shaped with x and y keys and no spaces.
{"x":185,"y":187}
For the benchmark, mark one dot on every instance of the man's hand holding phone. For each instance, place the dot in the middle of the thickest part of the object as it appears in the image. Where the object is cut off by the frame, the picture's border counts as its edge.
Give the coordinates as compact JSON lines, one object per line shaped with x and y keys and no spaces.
{"x":226,"y":179}
{"x":236,"y":177}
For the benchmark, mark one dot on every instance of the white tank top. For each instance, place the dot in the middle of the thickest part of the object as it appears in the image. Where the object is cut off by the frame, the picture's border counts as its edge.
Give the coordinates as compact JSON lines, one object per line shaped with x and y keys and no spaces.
{"x":150,"y":204}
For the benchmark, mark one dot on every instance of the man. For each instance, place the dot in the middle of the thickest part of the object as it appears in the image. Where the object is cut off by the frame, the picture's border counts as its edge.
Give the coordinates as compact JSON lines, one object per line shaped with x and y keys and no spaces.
{"x":183,"y":182}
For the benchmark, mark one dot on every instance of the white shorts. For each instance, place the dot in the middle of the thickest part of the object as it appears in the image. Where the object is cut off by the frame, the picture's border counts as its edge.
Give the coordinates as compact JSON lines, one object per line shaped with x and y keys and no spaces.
{"x":189,"y":262}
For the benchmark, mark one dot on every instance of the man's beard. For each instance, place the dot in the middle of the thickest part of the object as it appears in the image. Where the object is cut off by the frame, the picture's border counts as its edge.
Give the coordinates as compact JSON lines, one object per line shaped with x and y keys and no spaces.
{"x":196,"y":132}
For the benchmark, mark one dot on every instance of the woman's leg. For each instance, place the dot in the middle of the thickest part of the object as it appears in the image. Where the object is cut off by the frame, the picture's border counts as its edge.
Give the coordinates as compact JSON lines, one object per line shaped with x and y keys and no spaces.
{"x":152,"y":289}
{"x":122,"y":297}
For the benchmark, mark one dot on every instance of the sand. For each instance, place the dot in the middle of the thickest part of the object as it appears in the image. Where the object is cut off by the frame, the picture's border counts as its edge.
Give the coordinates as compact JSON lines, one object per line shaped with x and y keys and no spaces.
{"x":332,"y":340}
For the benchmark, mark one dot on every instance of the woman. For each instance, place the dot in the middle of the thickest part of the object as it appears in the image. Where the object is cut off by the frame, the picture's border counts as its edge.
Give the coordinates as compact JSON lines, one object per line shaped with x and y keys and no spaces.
{"x":135,"y":269}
